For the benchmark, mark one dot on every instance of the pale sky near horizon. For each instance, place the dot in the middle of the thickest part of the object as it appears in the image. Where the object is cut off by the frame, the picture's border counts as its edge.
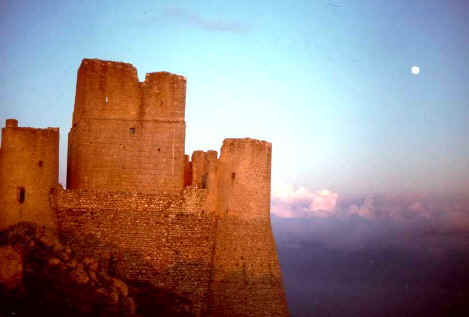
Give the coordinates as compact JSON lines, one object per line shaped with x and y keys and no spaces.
{"x":329,"y":83}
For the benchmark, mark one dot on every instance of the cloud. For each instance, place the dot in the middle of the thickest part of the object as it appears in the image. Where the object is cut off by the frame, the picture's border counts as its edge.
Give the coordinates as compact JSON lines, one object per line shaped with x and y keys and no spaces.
{"x":210,"y":24}
{"x":291,"y":202}
{"x":324,"y":200}
{"x":364,"y":210}
{"x":288,"y":193}
{"x":406,"y":209}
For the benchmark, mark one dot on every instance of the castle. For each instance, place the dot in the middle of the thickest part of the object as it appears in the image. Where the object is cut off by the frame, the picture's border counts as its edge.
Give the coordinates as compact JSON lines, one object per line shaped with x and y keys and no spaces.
{"x":200,"y":224}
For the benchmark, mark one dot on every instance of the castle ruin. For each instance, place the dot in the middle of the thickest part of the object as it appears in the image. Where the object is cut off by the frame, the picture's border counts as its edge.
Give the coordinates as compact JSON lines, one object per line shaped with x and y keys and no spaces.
{"x":201,"y":224}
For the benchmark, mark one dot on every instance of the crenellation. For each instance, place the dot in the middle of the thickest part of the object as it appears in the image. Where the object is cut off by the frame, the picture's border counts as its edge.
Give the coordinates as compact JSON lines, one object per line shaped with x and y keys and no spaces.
{"x":11,"y":123}
{"x":164,"y":96}
{"x":200,"y":224}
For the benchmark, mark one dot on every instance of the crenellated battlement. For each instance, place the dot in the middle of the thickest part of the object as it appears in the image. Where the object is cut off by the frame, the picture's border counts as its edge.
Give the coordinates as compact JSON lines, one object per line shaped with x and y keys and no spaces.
{"x":164,"y":96}
{"x":201,"y":223}
{"x":111,"y":91}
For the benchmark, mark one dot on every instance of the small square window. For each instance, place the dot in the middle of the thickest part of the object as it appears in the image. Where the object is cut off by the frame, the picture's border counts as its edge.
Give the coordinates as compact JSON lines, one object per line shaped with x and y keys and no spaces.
{"x":132,"y":130}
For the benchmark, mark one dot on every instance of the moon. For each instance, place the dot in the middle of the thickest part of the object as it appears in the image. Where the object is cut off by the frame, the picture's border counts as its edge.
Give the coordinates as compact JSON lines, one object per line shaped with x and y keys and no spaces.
{"x":415,"y":70}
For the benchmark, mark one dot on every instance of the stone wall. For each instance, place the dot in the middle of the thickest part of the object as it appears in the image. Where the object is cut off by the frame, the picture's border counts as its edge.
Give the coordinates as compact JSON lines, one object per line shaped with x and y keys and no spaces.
{"x":29,"y":167}
{"x":163,"y":239}
{"x":126,"y":155}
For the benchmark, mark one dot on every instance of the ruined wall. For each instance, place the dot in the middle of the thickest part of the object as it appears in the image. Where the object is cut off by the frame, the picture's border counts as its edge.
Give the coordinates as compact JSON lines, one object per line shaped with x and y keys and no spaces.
{"x":127,"y":135}
{"x":29,"y":167}
{"x":198,"y":228}
{"x":187,"y":171}
{"x":246,"y":280}
{"x":203,"y":168}
{"x":160,"y":238}
{"x":201,"y":162}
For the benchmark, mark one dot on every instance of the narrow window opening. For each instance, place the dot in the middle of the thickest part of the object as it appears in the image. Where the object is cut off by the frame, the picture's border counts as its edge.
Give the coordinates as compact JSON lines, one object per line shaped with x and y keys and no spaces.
{"x":233,"y":176}
{"x":159,"y":149}
{"x":21,"y":194}
{"x":106,"y":100}
{"x":40,"y":163}
{"x":204,"y":181}
{"x":132,"y":130}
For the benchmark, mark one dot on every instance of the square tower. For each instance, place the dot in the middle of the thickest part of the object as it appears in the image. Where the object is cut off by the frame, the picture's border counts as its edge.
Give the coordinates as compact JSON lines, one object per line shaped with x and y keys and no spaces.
{"x":127,"y":135}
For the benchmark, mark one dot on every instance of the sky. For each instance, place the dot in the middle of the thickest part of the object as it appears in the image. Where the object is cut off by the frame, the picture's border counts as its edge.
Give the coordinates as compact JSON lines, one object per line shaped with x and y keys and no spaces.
{"x":361,"y":144}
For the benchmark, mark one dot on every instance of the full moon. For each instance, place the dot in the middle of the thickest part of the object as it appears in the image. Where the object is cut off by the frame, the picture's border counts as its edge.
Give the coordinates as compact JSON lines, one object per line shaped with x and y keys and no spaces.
{"x":415,"y":70}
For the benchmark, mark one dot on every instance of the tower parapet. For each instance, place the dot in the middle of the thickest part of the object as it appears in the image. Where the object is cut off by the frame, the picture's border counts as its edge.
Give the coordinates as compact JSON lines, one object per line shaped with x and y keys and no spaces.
{"x":164,"y":97}
{"x":11,"y":123}
{"x":29,"y":167}
{"x":106,"y":90}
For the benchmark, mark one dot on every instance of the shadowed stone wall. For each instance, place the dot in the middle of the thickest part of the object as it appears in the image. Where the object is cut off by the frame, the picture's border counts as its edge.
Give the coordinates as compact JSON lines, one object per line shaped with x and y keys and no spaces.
{"x":166,"y":240}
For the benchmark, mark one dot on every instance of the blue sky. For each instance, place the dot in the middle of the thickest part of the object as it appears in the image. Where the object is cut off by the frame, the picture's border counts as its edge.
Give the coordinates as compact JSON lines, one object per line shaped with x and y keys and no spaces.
{"x":327,"y":82}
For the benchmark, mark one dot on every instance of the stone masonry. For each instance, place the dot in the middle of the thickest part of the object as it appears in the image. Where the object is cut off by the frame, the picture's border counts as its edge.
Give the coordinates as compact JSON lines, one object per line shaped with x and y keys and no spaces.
{"x":198,"y":227}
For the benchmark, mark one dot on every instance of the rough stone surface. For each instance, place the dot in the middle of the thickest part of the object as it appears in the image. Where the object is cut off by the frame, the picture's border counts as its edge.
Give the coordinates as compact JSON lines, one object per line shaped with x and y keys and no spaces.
{"x":137,"y":206}
{"x":160,"y":239}
{"x":57,"y":280}
{"x":11,"y":268}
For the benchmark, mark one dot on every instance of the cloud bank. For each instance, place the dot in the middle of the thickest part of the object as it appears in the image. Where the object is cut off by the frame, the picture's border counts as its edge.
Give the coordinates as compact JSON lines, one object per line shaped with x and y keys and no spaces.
{"x":450,"y":211}
{"x":372,"y":255}
{"x":291,"y":202}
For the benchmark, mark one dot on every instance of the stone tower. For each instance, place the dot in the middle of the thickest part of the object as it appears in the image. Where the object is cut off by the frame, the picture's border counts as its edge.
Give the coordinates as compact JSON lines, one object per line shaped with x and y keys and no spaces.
{"x":246,"y":278}
{"x":127,"y":135}
{"x":29,"y":168}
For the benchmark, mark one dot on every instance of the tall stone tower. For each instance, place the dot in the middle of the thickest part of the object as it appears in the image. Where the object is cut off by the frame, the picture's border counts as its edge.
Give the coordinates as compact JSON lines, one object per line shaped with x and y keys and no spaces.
{"x":246,"y":278}
{"x":29,"y":168}
{"x":127,"y":135}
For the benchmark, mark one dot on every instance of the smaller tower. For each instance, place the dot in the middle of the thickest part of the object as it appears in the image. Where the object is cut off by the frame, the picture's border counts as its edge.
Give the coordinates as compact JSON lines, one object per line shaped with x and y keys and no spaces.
{"x":246,"y":279}
{"x":29,"y":168}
